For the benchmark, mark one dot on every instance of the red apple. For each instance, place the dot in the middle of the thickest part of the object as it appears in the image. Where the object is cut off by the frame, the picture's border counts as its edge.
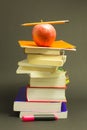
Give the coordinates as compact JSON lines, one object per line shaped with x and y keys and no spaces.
{"x":43,"y":34}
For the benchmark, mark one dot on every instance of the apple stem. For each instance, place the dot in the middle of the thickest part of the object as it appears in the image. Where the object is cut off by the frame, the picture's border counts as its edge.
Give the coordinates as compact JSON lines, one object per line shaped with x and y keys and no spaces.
{"x":41,"y":20}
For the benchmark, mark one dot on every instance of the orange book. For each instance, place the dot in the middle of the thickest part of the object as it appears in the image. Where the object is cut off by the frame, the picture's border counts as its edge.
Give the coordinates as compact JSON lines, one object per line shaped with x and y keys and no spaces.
{"x":60,"y":44}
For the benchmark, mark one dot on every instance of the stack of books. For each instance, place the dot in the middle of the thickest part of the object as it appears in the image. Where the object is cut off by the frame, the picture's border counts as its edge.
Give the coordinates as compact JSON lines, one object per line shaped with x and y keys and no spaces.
{"x":45,"y":92}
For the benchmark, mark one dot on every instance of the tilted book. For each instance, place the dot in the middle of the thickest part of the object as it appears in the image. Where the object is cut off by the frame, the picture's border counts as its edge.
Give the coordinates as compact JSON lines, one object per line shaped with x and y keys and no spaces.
{"x":25,"y":67}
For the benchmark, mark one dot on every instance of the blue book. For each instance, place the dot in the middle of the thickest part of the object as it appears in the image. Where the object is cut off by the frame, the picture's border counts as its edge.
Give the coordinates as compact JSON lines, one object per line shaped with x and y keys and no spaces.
{"x":21,"y":96}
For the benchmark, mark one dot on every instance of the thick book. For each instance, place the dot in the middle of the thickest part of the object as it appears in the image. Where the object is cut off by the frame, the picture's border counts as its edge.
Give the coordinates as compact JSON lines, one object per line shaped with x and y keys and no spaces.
{"x":47,"y":82}
{"x":46,"y":94}
{"x":57,"y":79}
{"x":22,"y":104}
{"x":50,"y":60}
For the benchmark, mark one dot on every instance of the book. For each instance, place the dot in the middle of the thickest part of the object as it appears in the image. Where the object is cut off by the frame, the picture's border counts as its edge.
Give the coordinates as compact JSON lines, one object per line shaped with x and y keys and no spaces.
{"x":51,"y":60}
{"x":36,"y":71}
{"x":56,"y":45}
{"x":46,"y":94}
{"x":22,"y":104}
{"x":47,"y":82}
{"x":43,"y":51}
{"x":61,"y":115}
{"x":56,"y":79}
{"x":25,"y":67}
{"x":61,"y":76}
{"x":56,"y":74}
{"x":28,"y":69}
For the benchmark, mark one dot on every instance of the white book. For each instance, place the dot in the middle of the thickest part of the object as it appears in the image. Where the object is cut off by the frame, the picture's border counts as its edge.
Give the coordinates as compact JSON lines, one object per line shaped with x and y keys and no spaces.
{"x":36,"y":106}
{"x":56,"y":74}
{"x":51,"y":60}
{"x":26,"y":63}
{"x":48,"y":82}
{"x":46,"y":94}
{"x":25,"y":67}
{"x":61,"y":115}
{"x":36,"y":71}
{"x":43,"y":51}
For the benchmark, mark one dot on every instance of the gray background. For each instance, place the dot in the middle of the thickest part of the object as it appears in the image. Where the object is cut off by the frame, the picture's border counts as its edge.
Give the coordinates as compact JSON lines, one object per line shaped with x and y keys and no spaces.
{"x":12,"y":14}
